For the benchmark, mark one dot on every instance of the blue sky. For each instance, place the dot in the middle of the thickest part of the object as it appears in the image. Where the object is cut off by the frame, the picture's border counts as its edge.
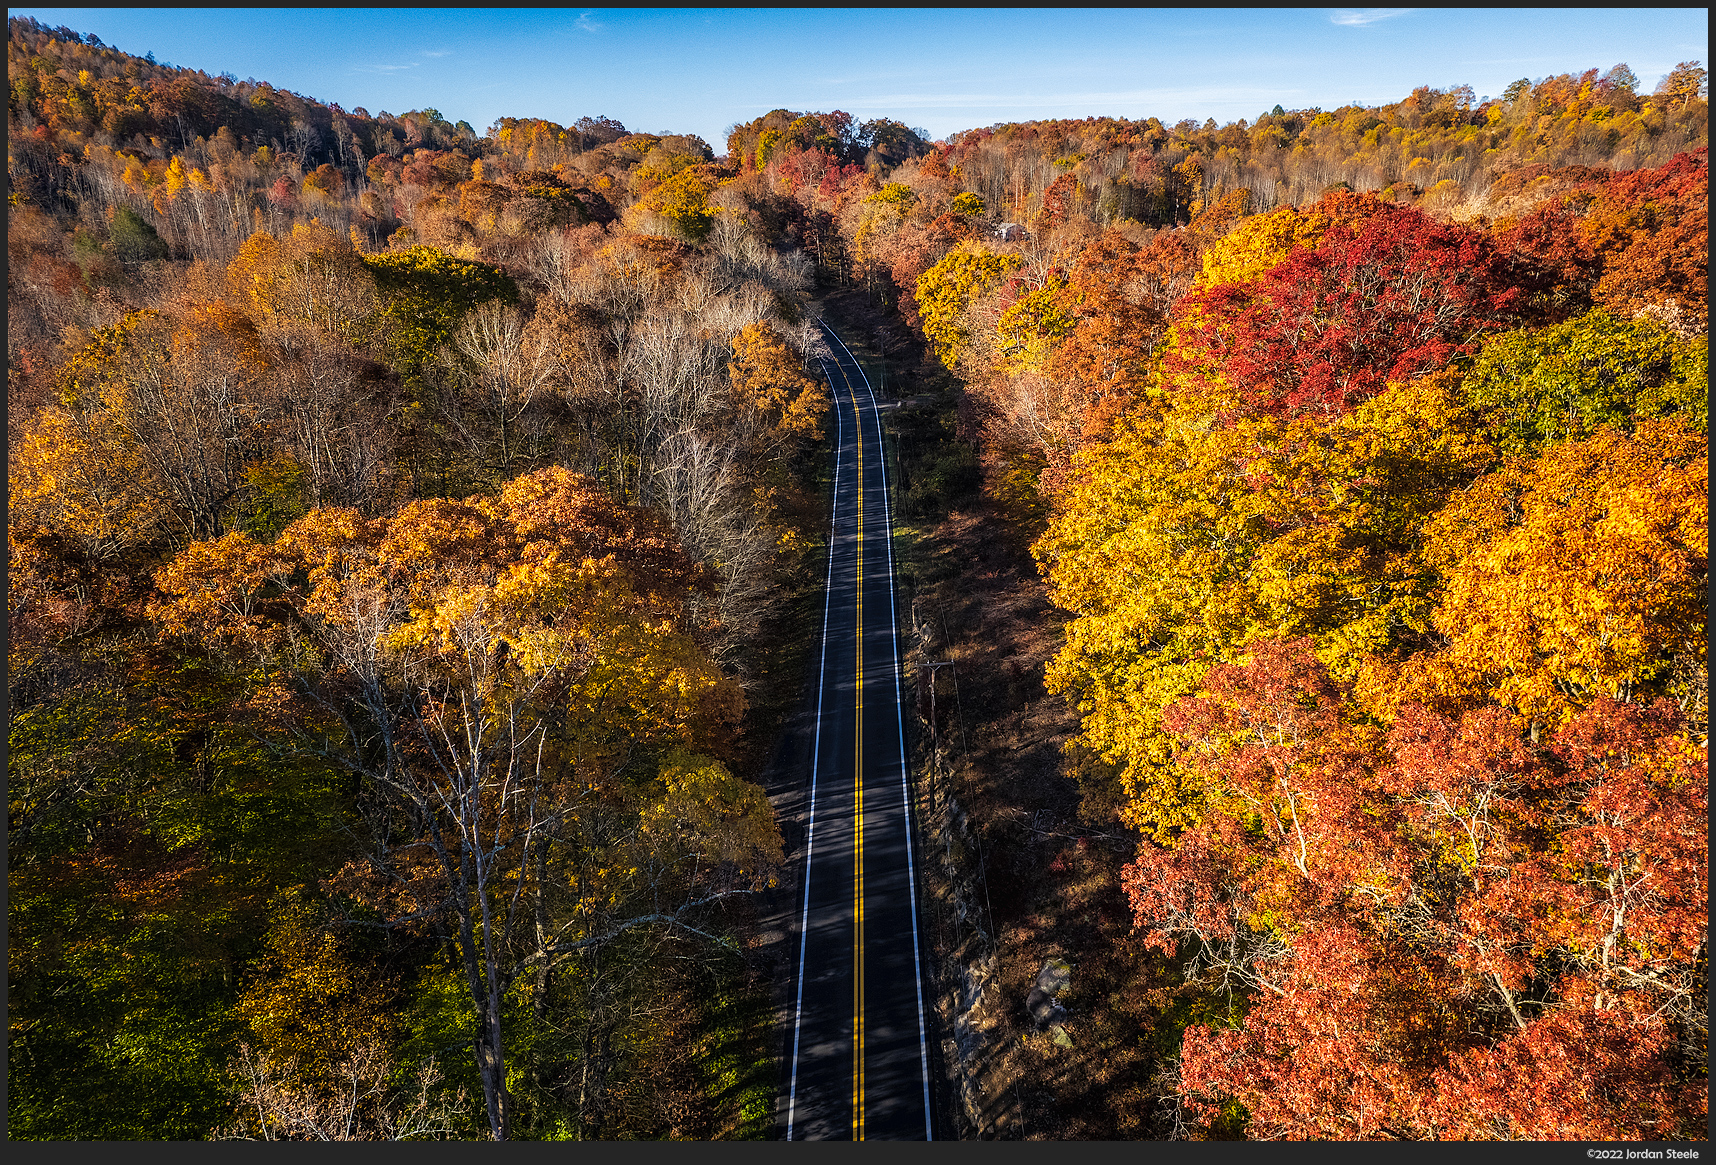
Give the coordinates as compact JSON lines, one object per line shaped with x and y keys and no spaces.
{"x":701,"y":70}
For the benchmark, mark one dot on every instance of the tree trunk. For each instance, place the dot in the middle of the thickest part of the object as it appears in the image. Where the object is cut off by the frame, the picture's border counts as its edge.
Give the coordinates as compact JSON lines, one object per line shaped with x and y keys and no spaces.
{"x":491,"y":1065}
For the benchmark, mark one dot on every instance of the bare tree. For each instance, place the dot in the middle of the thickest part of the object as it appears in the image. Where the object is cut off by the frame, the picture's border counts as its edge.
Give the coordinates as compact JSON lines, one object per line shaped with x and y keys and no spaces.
{"x":335,"y":426}
{"x":698,"y":483}
{"x":191,"y":406}
{"x":279,"y":1103}
{"x":304,"y":140}
{"x":495,"y":390}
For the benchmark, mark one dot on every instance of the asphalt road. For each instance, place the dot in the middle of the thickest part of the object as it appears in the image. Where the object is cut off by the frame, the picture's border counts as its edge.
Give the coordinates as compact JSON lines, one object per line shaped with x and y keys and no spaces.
{"x":859,"y":1058}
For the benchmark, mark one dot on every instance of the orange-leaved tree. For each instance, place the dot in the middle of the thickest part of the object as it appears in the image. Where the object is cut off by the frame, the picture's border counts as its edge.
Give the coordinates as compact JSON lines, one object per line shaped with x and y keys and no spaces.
{"x":1580,"y":575}
{"x":1444,"y":932}
{"x":517,"y":685}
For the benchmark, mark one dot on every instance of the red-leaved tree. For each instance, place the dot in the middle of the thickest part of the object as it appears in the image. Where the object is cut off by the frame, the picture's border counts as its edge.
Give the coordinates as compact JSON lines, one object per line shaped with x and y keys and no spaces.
{"x":1441,"y":932}
{"x":1651,"y":231}
{"x":1388,"y":294}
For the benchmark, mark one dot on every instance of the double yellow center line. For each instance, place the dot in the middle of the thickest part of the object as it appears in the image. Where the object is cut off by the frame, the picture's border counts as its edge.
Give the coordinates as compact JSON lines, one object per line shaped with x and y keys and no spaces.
{"x":858,"y":784}
{"x":847,"y":366}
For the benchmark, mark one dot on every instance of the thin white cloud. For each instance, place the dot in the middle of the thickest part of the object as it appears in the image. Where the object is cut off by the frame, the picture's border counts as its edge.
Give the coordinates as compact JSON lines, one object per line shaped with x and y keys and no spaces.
{"x":437,"y":52}
{"x":588,"y":25}
{"x":385,"y":68}
{"x":1359,"y":17}
{"x":1133,"y":97}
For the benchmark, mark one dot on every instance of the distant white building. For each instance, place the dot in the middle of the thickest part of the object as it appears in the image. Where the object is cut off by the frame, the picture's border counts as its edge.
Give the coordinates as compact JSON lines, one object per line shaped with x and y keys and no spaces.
{"x":1009,"y":232}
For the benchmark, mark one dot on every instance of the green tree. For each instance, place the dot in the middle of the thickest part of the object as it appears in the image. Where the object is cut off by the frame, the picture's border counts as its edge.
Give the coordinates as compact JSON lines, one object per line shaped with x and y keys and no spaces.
{"x":425,"y":293}
{"x":147,"y":830}
{"x":1564,"y":382}
{"x":134,"y":240}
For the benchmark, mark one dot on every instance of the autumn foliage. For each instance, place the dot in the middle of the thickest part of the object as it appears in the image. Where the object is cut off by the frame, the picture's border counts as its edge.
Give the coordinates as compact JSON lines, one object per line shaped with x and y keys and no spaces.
{"x":1445,"y":932}
{"x":395,"y":510}
{"x":508,"y":674}
{"x":1386,"y":294}
{"x":401,"y":518}
{"x":1370,"y":518}
{"x":1388,"y":609}
{"x":1367,"y":449}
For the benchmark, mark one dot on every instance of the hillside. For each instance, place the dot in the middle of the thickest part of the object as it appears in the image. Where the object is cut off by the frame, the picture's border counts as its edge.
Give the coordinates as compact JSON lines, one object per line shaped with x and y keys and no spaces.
{"x":411,"y":531}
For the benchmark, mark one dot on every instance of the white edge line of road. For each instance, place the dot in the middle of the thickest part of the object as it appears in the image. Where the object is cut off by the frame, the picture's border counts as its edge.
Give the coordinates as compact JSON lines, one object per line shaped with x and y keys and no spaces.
{"x":815,"y":756}
{"x":899,"y":714}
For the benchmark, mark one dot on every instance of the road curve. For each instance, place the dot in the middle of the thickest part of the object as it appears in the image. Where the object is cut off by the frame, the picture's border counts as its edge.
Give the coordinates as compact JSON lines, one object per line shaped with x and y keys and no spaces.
{"x":859,"y":1047}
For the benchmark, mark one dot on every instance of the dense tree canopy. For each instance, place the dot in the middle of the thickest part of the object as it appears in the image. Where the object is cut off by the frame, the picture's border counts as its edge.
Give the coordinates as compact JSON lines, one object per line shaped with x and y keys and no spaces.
{"x":400,"y":517}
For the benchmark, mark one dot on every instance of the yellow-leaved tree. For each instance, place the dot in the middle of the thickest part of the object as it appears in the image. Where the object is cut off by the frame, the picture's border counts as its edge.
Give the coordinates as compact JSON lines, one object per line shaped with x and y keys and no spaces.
{"x":947,"y":290}
{"x":317,"y":1064}
{"x":160,"y":418}
{"x":516,"y":681}
{"x":678,"y":205}
{"x":1259,"y":243}
{"x":780,"y":404}
{"x":1181,"y":540}
{"x":1581,"y":574}
{"x":309,"y":278}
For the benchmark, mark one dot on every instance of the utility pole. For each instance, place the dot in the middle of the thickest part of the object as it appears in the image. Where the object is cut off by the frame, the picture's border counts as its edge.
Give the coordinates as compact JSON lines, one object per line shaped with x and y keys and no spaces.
{"x":882,"y":358}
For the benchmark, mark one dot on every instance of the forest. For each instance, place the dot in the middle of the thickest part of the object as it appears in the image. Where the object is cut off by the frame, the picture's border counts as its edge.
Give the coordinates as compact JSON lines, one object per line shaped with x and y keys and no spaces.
{"x":409,"y":530}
